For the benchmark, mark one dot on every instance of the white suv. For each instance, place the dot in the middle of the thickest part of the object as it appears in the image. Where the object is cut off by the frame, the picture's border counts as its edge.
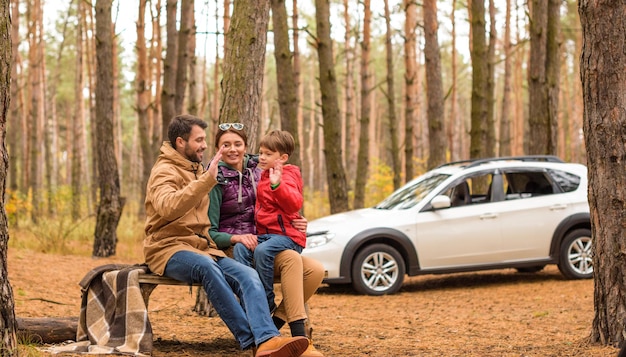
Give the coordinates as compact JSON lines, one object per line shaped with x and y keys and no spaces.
{"x":511,"y":212}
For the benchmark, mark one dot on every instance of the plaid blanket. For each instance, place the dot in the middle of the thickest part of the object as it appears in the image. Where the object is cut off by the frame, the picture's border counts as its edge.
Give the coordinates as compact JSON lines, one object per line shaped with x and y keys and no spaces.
{"x":113,"y":316}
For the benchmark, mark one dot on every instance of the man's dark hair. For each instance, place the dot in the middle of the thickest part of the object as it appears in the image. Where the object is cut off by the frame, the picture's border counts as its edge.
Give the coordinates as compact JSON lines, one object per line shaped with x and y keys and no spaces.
{"x":181,"y":126}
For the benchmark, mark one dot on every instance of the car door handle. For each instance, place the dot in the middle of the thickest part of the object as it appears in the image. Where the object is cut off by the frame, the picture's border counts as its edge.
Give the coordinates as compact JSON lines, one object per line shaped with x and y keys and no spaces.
{"x":488,"y":216}
{"x":558,"y":207}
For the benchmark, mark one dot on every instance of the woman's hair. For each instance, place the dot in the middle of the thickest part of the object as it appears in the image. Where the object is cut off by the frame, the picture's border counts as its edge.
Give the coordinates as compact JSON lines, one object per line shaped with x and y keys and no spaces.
{"x":279,"y":141}
{"x":181,"y":126}
{"x":220,"y":132}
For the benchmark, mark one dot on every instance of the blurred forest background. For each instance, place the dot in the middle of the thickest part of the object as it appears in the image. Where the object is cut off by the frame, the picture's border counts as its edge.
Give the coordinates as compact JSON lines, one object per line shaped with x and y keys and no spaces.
{"x":415,"y":85}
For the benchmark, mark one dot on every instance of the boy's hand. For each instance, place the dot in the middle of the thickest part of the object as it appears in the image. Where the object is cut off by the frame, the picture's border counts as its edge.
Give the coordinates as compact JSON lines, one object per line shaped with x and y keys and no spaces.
{"x":300,"y":224}
{"x":276,"y":172}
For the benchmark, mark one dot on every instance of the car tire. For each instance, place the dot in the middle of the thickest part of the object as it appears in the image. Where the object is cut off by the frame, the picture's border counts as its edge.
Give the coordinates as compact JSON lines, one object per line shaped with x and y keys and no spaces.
{"x":532,"y":269}
{"x":378,"y":269}
{"x":576,"y":255}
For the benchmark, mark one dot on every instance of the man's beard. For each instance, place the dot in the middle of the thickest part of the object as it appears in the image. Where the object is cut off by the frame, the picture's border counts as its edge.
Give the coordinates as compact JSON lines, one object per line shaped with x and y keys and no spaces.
{"x":192,"y":155}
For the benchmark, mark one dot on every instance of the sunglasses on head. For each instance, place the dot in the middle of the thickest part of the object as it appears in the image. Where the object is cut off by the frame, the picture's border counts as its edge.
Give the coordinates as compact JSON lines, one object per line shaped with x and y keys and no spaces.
{"x":226,"y":126}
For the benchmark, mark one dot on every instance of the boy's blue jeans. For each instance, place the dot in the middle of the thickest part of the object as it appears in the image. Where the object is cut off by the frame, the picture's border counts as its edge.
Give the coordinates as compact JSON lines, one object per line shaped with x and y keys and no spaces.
{"x":248,"y":319}
{"x":262,"y":259}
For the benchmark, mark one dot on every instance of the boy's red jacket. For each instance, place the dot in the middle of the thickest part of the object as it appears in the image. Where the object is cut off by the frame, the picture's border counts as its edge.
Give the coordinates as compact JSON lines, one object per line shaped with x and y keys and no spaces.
{"x":276,"y":208}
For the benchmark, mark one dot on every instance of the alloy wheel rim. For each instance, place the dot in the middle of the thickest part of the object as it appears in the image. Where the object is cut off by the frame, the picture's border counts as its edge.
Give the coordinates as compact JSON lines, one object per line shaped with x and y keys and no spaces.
{"x":379,"y":271}
{"x":581,"y":255}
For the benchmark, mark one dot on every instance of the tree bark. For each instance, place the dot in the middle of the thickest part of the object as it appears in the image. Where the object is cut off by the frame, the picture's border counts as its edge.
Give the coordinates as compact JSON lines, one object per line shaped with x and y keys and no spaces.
{"x":156,"y":72}
{"x":410,"y":83}
{"x":391,"y":103}
{"x":335,"y":173}
{"x":543,"y":77}
{"x":490,"y":144}
{"x":168,"y":106}
{"x":111,"y":203}
{"x":285,"y":78}
{"x":35,"y":80}
{"x":349,"y":95}
{"x":363,"y":159}
{"x":478,"y":52}
{"x":77,"y":142}
{"x":602,"y":64}
{"x":8,"y":324}
{"x":143,"y":89}
{"x":182,"y":64}
{"x":242,"y":83}
{"x":505,"y":118}
{"x":434,"y":87}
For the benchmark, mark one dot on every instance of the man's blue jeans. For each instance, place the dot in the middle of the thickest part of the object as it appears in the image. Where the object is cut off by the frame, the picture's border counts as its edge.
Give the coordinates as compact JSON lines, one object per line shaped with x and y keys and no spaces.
{"x":222,"y":279}
{"x":262,"y":259}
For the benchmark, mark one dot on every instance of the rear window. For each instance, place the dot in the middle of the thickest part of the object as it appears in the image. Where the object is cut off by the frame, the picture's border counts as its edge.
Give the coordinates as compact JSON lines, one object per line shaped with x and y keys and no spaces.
{"x":567,"y":181}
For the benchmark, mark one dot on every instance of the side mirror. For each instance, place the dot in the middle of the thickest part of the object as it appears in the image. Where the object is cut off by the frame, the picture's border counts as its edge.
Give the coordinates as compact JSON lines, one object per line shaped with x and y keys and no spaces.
{"x":441,"y":201}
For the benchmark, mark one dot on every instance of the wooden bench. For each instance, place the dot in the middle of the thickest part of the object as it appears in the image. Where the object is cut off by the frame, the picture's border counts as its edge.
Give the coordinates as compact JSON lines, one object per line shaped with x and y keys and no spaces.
{"x":149,"y":281}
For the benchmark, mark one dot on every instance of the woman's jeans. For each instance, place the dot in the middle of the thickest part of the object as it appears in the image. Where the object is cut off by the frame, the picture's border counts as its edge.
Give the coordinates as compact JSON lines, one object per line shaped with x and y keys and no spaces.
{"x":249,"y":318}
{"x":262,"y":259}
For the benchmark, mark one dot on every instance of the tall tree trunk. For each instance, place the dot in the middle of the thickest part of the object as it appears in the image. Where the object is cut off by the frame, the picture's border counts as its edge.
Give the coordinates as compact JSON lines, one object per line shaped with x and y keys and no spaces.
{"x":111,"y":203}
{"x":285,"y":78}
{"x":193,"y":103}
{"x":91,"y":70}
{"x":452,"y":128}
{"x":16,"y":113}
{"x":553,"y":69}
{"x":434,"y":87}
{"x":335,"y":173}
{"x":242,"y":83}
{"x":156,"y":73}
{"x":349,"y":94}
{"x":520,"y":127}
{"x":182,"y":63}
{"x":478,"y":52}
{"x":143,"y":89}
{"x":36,"y":110}
{"x":8,"y":325}
{"x":505,"y":118}
{"x":391,"y":103}
{"x":602,"y":64}
{"x":78,"y":136}
{"x":363,"y":158}
{"x":296,"y":76}
{"x":168,"y":106}
{"x":410,"y":84}
{"x":543,"y":71}
{"x":577,"y":146}
{"x":490,"y":144}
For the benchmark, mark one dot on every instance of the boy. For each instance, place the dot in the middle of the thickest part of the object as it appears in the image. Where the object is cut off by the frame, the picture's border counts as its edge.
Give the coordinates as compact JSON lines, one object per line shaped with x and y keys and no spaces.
{"x":279,"y":201}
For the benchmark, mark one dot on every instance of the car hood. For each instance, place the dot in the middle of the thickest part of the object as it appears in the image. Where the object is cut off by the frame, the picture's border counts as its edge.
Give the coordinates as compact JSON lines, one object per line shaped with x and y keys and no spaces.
{"x":356,"y":220}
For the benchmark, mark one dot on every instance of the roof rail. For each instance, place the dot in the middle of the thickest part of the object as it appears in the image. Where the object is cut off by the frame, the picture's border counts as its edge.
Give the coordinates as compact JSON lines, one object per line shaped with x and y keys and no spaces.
{"x":476,"y":162}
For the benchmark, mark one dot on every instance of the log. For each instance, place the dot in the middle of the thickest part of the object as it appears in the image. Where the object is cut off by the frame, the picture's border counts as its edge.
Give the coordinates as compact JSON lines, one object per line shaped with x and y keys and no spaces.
{"x":47,"y":329}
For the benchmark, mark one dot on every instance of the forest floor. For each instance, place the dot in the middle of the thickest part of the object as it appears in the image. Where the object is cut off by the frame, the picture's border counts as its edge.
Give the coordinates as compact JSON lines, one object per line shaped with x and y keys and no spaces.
{"x":491,"y":313}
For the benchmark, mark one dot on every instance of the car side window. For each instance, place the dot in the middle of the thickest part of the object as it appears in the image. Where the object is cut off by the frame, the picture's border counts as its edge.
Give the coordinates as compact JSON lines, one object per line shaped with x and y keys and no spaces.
{"x":527,"y":184}
{"x":472,"y":190}
{"x":567,"y":182}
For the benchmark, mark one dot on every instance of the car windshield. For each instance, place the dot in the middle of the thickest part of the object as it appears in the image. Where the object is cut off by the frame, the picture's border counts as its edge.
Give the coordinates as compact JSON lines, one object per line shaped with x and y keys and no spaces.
{"x":413,"y":192}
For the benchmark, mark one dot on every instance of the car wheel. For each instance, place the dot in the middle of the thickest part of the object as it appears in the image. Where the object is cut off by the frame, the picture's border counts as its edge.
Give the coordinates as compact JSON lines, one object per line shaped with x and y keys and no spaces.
{"x":378,"y":269}
{"x":532,"y":269}
{"x":576,"y":255}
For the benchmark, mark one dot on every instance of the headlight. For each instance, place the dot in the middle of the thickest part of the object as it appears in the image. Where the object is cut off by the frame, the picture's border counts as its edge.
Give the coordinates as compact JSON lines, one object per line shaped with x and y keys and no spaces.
{"x":317,"y":239}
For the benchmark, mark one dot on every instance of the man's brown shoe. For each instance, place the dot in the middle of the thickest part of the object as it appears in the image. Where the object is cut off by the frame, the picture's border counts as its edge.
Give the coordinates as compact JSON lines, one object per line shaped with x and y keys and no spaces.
{"x":311,"y":351}
{"x":283,"y":347}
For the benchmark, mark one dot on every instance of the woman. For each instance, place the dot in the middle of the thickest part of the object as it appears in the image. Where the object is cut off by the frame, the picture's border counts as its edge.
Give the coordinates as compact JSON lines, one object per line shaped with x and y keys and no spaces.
{"x":231,"y":212}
